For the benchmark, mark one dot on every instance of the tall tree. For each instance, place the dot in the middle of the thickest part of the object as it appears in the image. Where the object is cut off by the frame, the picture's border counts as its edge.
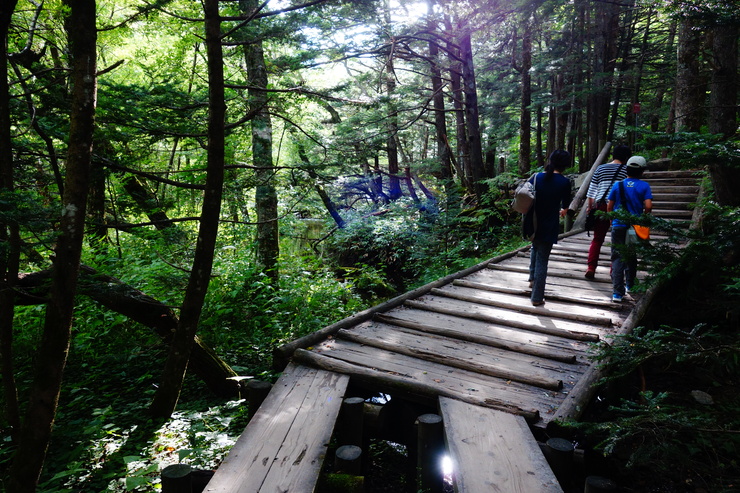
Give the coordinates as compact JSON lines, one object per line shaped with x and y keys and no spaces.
{"x":689,"y":95}
{"x":524,"y":67}
{"x":266,"y":204}
{"x":9,"y":234}
{"x":394,"y":183}
{"x":605,"y":37}
{"x":52,"y":352}
{"x":723,"y":107}
{"x":168,"y":393}
{"x":475,"y":145}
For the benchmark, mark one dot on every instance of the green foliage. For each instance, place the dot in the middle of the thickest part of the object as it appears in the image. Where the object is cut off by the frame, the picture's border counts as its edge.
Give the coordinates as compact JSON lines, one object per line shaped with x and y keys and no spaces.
{"x":695,"y":150}
{"x":680,"y":418}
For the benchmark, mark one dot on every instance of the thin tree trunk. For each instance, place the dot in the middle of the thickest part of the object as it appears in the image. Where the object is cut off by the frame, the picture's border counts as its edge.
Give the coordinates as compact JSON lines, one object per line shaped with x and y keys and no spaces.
{"x":35,"y":433}
{"x":168,"y":393}
{"x":331,"y":208}
{"x":525,"y":112}
{"x":440,"y":120}
{"x":9,"y":234}
{"x":394,"y":183}
{"x":625,"y":46}
{"x":463,"y":152}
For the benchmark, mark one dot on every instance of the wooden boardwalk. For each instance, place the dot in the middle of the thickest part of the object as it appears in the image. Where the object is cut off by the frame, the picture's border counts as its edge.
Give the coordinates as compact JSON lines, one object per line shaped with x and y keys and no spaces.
{"x":472,"y":346}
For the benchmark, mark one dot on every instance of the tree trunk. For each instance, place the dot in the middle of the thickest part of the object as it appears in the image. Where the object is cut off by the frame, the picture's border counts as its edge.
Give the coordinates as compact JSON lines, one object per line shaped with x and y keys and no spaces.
{"x":139,"y":307}
{"x":463,"y":151}
{"x":331,"y":208}
{"x":440,"y":120}
{"x":472,"y":118}
{"x":168,"y":393}
{"x":9,"y":235}
{"x":52,"y":353}
{"x":605,"y":55}
{"x":266,"y":203}
{"x":689,"y":86}
{"x":626,"y":33}
{"x":525,"y":112}
{"x":723,"y":102}
{"x":394,"y":183}
{"x":723,"y":110}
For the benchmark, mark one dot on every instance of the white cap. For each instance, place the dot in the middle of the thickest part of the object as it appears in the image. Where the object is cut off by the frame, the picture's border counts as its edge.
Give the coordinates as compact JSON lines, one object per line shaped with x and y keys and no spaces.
{"x":636,"y":162}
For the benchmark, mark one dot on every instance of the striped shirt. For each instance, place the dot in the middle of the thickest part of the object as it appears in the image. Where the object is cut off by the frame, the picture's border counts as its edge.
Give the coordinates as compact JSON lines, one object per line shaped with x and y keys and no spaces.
{"x":603,"y":179}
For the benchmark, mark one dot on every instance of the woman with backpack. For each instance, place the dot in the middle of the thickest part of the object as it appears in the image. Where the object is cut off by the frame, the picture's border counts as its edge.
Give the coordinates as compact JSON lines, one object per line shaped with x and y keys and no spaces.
{"x":552,"y":196}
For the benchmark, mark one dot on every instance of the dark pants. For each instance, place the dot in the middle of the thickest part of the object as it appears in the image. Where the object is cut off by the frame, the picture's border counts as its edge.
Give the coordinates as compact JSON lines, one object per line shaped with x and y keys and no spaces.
{"x":539,"y":256}
{"x":624,"y":262}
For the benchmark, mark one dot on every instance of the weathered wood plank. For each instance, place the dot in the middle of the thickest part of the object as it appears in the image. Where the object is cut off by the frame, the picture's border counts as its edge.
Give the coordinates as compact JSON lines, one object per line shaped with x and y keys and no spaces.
{"x":519,"y":280}
{"x":569,"y":311}
{"x":394,"y":372}
{"x":279,"y":449}
{"x":486,"y":360}
{"x":484,"y":329}
{"x":542,"y":323}
{"x":493,"y":451}
{"x":552,"y":292}
{"x":511,"y":343}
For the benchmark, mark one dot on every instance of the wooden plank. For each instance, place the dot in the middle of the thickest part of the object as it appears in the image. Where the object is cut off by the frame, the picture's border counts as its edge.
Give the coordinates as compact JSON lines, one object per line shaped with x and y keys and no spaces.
{"x":493,"y":451}
{"x":462,"y":335}
{"x":541,"y":323}
{"x":394,"y":372}
{"x":283,"y":446}
{"x":516,"y":279}
{"x":483,"y":332}
{"x":569,"y":311}
{"x":552,"y":292}
{"x":485,"y":360}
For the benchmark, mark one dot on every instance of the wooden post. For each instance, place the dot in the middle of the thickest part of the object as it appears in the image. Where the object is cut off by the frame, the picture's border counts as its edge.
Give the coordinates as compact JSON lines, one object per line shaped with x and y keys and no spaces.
{"x":177,"y":478}
{"x":351,"y":421}
{"x":597,"y":484}
{"x":348,"y":459}
{"x":257,"y":391}
{"x":430,"y":440}
{"x":559,"y":454}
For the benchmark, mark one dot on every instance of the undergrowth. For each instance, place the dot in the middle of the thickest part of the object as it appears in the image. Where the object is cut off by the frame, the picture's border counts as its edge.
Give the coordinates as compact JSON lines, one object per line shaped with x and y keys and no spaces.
{"x":668,"y":417}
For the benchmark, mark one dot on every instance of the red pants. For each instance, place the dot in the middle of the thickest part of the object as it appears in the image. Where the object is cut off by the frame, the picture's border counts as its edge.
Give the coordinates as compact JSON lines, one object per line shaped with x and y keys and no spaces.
{"x":599,"y":233}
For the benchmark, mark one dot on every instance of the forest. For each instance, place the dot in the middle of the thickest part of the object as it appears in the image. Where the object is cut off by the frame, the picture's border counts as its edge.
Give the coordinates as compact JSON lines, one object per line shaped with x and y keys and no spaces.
{"x":185,"y":186}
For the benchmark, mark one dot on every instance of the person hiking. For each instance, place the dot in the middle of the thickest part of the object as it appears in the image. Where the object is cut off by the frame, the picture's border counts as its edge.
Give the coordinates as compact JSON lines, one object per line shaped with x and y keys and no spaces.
{"x":636,"y":197}
{"x":552,"y":196}
{"x":604,"y":177}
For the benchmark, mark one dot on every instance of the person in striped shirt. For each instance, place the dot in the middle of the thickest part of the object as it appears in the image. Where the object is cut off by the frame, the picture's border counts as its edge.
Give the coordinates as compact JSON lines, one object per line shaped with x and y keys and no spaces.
{"x":604,"y":177}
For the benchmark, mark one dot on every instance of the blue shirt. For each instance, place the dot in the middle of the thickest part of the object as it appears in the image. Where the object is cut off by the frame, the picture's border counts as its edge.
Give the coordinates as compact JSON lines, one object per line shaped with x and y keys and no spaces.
{"x":636,"y":192}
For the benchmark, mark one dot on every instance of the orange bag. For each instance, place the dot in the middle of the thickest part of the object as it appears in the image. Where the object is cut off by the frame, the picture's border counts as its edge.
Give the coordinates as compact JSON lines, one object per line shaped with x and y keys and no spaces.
{"x":643,"y":232}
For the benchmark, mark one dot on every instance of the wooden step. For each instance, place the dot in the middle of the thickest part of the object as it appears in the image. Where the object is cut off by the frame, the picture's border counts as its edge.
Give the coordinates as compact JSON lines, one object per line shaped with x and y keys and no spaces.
{"x":662,"y":204}
{"x":685,"y":189}
{"x":673,"y":174}
{"x":493,"y":451}
{"x":283,"y":446}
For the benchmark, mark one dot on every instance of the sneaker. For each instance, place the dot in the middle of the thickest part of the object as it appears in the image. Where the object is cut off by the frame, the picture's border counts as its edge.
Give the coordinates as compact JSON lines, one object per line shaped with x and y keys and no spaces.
{"x":628,"y":289}
{"x":538,"y":303}
{"x":590,"y":274}
{"x":617,"y":298}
